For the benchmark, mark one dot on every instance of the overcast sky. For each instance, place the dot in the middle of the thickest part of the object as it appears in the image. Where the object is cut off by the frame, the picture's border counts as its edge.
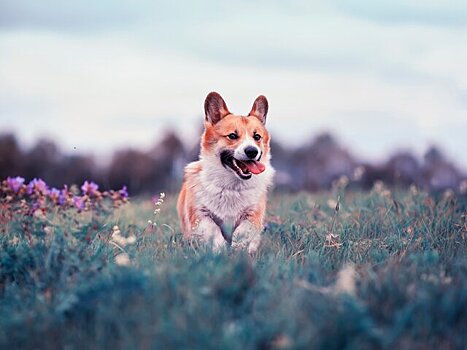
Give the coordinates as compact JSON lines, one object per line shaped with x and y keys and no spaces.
{"x":97,"y":75}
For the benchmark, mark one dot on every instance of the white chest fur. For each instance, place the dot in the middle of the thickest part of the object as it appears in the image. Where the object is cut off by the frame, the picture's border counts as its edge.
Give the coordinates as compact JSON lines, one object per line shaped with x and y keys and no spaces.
{"x":227,"y":196}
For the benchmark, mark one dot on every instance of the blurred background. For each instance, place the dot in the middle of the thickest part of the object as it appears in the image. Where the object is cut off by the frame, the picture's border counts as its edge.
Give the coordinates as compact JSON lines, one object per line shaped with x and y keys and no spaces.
{"x":113,"y":91}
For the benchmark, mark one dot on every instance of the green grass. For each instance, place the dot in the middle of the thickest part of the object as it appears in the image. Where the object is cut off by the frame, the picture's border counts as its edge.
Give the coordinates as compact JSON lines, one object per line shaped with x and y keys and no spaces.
{"x":386,"y":270}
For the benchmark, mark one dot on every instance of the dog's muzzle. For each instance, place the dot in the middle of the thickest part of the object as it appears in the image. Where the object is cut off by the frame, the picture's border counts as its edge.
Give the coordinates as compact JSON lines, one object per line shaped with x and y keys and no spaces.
{"x":243,"y":168}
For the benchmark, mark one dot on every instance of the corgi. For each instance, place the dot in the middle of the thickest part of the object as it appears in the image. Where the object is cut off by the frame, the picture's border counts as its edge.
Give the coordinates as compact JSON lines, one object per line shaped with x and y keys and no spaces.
{"x":228,"y":185}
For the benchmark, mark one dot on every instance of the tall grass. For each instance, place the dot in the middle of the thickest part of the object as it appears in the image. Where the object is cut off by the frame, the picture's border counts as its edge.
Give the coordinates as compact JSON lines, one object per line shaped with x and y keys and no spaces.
{"x":338,"y":270}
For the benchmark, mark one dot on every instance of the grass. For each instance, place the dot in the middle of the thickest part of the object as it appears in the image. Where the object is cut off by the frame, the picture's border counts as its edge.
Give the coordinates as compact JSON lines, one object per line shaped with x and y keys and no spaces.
{"x":335,"y":271}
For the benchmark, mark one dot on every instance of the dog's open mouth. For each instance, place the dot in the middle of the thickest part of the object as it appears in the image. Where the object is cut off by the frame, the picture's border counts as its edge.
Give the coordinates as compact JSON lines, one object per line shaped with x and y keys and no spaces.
{"x":243,"y":168}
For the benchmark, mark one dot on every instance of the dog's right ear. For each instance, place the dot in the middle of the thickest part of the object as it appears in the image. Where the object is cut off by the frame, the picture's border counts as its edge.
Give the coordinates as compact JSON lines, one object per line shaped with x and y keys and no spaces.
{"x":215,"y":108}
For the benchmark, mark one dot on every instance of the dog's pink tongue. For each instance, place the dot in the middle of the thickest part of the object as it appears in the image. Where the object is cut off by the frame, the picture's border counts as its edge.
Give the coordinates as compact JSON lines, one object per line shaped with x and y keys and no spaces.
{"x":255,"y":167}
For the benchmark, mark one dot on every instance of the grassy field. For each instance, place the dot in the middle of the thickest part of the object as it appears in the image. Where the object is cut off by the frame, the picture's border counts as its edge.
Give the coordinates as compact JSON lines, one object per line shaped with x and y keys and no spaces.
{"x":339,"y":270}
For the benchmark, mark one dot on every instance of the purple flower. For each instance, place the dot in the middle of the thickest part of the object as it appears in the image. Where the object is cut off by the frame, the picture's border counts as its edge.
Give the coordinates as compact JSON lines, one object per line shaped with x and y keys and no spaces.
{"x":15,"y":183}
{"x":39,"y":186}
{"x":89,"y":188}
{"x":62,"y":198}
{"x":123,"y":192}
{"x":78,"y":202}
{"x":54,"y":194}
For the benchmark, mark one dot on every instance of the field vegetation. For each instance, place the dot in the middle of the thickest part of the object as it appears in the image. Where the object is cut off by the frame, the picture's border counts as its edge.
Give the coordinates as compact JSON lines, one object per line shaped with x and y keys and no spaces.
{"x":84,"y":269}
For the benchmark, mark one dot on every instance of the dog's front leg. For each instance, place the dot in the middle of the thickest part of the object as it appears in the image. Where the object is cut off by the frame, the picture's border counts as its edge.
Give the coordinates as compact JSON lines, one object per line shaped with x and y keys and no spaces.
{"x":208,"y":231}
{"x":247,"y":231}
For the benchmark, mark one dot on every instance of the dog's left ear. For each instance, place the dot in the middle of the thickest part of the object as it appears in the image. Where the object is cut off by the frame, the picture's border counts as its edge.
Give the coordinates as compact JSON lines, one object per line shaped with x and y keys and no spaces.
{"x":260,"y":108}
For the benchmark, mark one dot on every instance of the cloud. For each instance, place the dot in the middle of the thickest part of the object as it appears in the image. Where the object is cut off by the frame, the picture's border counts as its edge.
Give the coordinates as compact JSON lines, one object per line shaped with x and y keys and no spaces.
{"x":70,"y":16}
{"x":429,"y":12}
{"x":120,"y":73}
{"x":105,"y":15}
{"x":88,"y":15}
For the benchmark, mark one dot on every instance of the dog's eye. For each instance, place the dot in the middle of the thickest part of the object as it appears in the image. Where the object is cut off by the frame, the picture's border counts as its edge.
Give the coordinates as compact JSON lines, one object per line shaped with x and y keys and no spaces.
{"x":232,"y":136}
{"x":257,"y":137}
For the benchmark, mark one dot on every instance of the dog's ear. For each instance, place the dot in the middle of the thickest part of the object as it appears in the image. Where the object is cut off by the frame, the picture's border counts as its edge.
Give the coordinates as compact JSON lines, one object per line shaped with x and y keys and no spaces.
{"x":215,"y":108}
{"x":260,"y":108}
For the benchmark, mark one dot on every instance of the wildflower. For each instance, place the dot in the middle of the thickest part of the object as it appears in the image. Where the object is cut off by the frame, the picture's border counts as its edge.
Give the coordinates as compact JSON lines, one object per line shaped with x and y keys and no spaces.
{"x":448,"y":194}
{"x":115,"y":230}
{"x":15,"y":183}
{"x":157,"y":210}
{"x":90,"y":188}
{"x":62,"y":198}
{"x":118,"y":239}
{"x":37,"y":186}
{"x":123,"y":192}
{"x":14,"y":241}
{"x":78,"y":203}
{"x":342,"y":182}
{"x":54,"y":194}
{"x":358,"y":173}
{"x":123,"y":259}
{"x":160,"y":200}
{"x":39,"y":213}
{"x":332,"y":240}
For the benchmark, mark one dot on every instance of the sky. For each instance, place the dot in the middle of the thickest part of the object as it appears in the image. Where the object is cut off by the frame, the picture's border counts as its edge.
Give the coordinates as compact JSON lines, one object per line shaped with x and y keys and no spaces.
{"x":99,"y":75}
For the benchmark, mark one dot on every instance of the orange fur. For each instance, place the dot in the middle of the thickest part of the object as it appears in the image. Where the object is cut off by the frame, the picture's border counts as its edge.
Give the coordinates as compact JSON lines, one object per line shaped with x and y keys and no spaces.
{"x":186,"y":204}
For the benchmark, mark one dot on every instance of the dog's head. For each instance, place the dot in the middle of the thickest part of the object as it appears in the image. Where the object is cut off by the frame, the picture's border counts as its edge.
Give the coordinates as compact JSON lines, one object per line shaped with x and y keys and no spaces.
{"x":241,"y":143}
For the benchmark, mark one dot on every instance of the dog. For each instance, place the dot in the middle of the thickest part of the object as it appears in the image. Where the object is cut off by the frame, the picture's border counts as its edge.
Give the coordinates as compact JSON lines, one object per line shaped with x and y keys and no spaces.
{"x":228,"y":185}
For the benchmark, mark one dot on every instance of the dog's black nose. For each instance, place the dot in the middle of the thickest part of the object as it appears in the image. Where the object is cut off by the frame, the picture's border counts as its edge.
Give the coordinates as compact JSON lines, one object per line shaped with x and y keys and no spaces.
{"x":251,"y":152}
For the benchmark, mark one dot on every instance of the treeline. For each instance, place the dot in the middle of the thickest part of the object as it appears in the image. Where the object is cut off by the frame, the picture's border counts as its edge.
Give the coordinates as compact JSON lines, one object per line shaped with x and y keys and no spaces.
{"x":313,"y":166}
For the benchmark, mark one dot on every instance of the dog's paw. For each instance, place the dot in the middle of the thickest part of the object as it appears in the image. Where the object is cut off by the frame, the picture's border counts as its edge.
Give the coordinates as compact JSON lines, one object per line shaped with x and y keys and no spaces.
{"x":215,"y":243}
{"x":239,"y":246}
{"x":246,"y":236}
{"x":218,"y":244}
{"x":251,"y":245}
